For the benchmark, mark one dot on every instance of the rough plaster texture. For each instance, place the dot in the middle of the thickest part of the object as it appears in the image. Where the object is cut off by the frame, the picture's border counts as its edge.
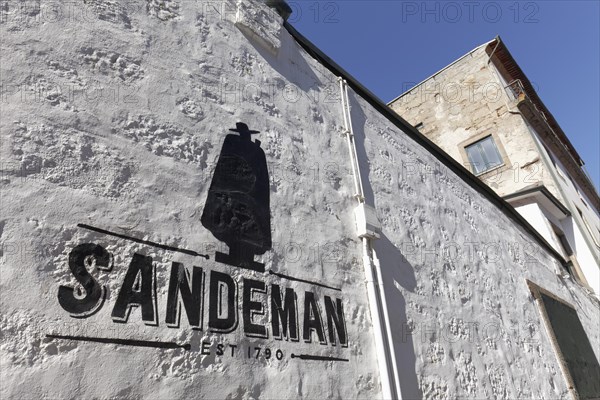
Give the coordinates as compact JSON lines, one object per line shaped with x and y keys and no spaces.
{"x":133,"y":105}
{"x":468,"y":101}
{"x":138,"y":160}
{"x":455,"y":270}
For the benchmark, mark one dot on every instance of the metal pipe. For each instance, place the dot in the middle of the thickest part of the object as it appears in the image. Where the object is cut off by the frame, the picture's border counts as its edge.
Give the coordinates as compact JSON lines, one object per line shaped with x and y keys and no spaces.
{"x":351,"y":129}
{"x":380,"y":342}
{"x":497,"y":39}
{"x":386,"y":317}
{"x":349,"y":138}
{"x":390,"y":381}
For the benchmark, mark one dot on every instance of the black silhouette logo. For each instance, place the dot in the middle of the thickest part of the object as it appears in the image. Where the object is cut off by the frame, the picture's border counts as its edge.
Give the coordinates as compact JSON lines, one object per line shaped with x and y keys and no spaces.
{"x":237,"y":209}
{"x":237,"y":212}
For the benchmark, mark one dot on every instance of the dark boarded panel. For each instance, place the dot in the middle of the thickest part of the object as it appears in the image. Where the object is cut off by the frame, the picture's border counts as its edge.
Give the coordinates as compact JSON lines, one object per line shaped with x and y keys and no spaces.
{"x":575,"y":347}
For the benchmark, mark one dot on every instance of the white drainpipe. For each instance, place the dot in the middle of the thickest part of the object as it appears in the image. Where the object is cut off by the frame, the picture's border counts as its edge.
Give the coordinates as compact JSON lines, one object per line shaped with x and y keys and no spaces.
{"x":388,"y":328}
{"x":358,"y":188}
{"x":367,"y":227}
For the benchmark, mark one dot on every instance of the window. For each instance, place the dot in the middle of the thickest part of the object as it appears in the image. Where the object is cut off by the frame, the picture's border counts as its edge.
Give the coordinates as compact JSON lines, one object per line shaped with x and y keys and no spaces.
{"x":560,"y":173}
{"x":562,"y":240}
{"x":572,"y":269}
{"x":571,"y":344}
{"x":573,"y":183}
{"x":484,"y":155}
{"x":589,"y":228}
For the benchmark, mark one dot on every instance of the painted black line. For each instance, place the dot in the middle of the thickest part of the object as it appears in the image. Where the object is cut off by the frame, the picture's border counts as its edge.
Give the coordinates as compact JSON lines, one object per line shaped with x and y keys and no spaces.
{"x":291,"y":278}
{"x":160,"y":246}
{"x":317,"y":358}
{"x":126,"y":342}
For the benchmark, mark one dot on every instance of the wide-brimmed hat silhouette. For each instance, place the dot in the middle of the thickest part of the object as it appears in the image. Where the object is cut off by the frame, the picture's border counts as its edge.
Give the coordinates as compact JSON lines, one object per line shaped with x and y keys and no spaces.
{"x":237,"y":208}
{"x":242,"y":128}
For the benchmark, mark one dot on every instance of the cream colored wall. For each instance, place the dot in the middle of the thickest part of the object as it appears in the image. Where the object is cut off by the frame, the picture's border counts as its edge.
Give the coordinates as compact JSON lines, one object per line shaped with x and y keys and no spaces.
{"x":467,"y":101}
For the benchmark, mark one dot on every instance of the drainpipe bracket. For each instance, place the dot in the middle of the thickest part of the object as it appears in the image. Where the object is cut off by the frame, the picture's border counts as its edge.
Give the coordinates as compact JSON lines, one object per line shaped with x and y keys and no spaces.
{"x":367,"y":223}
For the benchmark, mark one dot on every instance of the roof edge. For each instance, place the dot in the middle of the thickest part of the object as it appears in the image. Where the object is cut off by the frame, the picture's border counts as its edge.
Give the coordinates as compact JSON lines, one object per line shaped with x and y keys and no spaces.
{"x":532,"y":93}
{"x":505,"y":60}
{"x":542,"y":190}
{"x":420,"y":139}
{"x":441,"y":70}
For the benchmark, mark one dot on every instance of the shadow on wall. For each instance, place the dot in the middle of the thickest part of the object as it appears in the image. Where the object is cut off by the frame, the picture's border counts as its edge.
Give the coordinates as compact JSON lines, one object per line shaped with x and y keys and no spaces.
{"x":395,"y":269}
{"x":397,"y":273}
{"x":397,"y":276}
{"x":289,"y":63}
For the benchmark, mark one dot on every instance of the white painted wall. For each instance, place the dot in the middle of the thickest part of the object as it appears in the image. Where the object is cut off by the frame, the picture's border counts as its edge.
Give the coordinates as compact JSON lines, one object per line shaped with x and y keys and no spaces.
{"x":586,"y":258}
{"x":140,"y":163}
{"x":455,"y":270}
{"x":586,"y":251}
{"x":141,"y":166}
{"x":536,"y":216}
{"x":539,"y":220}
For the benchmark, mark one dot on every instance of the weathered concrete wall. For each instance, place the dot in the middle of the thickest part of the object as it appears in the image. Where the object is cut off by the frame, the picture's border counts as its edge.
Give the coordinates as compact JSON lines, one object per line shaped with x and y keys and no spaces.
{"x":468,"y":101}
{"x":140,"y":163}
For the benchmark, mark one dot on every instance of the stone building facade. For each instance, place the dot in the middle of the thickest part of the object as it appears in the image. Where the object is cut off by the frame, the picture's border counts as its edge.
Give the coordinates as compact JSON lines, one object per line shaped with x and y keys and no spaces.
{"x":484,"y":98}
{"x":197,"y":203}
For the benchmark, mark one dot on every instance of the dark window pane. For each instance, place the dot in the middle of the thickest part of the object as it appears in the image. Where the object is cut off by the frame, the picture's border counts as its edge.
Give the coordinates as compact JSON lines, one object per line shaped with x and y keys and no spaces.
{"x":574,"y":346}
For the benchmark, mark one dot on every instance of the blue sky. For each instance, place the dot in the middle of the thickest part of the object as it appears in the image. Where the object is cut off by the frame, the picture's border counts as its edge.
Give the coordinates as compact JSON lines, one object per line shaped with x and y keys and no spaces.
{"x":390,"y":45}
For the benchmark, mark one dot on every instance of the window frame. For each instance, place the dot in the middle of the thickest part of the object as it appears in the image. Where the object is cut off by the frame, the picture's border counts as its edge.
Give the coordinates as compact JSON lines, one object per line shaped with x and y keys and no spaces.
{"x":556,"y":167}
{"x":505,"y":162}
{"x":537,"y":292}
{"x":588,"y":227}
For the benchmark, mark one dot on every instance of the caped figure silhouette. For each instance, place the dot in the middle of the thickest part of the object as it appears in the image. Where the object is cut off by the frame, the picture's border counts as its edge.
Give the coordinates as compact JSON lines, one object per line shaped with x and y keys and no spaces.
{"x":237,"y":210}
